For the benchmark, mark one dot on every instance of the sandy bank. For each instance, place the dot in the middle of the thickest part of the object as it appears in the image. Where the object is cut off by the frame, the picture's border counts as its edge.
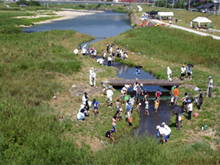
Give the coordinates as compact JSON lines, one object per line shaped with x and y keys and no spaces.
{"x":63,"y":15}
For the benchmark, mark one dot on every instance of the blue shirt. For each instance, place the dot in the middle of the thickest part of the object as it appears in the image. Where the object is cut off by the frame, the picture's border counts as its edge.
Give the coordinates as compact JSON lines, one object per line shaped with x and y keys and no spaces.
{"x":96,"y":105}
{"x":128,"y":108}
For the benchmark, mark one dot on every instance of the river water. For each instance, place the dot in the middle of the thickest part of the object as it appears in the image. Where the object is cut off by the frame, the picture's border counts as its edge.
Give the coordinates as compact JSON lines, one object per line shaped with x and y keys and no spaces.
{"x":108,"y":24}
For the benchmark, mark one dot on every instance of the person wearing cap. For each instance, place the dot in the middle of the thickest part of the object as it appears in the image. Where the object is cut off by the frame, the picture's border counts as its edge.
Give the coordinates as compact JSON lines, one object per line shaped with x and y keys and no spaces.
{"x":210,"y":86}
{"x":91,"y":76}
{"x":176,"y":94}
{"x":120,"y":114}
{"x":166,"y":127}
{"x":169,"y":73}
{"x":189,"y":108}
{"x":85,"y":99}
{"x":164,"y":133}
{"x":81,"y":114}
{"x":109,"y":94}
{"x":183,"y":72}
{"x":109,"y":134}
{"x":138,"y":108}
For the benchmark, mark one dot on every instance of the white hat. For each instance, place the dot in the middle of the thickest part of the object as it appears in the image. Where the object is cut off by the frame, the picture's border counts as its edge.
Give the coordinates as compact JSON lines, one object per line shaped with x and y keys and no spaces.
{"x":123,"y":88}
{"x":92,"y":68}
{"x":158,"y":127}
{"x":82,"y":106}
{"x":120,"y":109}
{"x":163,"y":123}
{"x":139,"y":103}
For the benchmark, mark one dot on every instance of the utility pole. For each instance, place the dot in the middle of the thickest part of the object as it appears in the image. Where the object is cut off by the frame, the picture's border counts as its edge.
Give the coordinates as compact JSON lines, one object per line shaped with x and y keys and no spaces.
{"x":189,"y":5}
{"x":173,"y":4}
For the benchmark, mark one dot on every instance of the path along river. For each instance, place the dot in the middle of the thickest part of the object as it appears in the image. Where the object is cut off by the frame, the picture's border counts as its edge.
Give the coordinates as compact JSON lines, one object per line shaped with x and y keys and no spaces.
{"x":108,"y":24}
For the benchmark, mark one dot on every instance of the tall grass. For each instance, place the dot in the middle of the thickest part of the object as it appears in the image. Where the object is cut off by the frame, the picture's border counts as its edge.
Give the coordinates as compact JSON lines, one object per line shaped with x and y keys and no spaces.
{"x":167,"y":44}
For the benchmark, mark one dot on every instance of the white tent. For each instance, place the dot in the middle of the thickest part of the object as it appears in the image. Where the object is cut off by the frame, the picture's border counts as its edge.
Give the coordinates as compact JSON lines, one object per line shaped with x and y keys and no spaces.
{"x":165,"y":14}
{"x":201,"y":20}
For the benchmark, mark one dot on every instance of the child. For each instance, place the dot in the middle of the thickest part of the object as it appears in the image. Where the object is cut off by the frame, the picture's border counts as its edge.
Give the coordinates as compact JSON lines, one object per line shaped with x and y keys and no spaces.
{"x":132,"y":102}
{"x":138,"y":108}
{"x":146,"y":108}
{"x":114,"y":123}
{"x":120,"y":114}
{"x":156,"y":105}
{"x":96,"y":104}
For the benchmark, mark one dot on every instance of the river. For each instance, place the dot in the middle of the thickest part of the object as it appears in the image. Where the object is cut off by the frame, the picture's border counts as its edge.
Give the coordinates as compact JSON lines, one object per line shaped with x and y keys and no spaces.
{"x":109,"y":24}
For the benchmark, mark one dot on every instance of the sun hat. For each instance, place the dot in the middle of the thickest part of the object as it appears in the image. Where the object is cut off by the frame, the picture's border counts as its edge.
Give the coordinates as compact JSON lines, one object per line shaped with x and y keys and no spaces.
{"x":188,"y":101}
{"x":109,"y":87}
{"x":139,"y":103}
{"x":210,"y":76}
{"x":129,"y":102}
{"x":112,"y":130}
{"x":120,"y":109}
{"x":82,"y":106}
{"x":158,"y":127}
{"x":163,"y":123}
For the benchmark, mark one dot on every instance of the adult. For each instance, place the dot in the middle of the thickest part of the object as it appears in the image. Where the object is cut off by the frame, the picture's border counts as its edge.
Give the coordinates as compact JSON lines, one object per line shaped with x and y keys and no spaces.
{"x":166,"y":127}
{"x":200,"y":99}
{"x":104,"y":88}
{"x":110,"y":135}
{"x":126,"y":87}
{"x":117,"y":105}
{"x":91,"y":76}
{"x":85,"y":99}
{"x":83,"y":51}
{"x":146,"y":95}
{"x":103,"y":53}
{"x":172,"y":89}
{"x":170,"y":22}
{"x":94,"y":79}
{"x":109,"y":60}
{"x":107,"y":47}
{"x":127,"y":48}
{"x":210,"y":86}
{"x":95,"y":104}
{"x":100,"y":61}
{"x":176,"y":94}
{"x":189,"y":109}
{"x":109,"y":94}
{"x":122,"y":95}
{"x":164,"y":133}
{"x":128,"y":111}
{"x":189,"y":72}
{"x":178,"y":121}
{"x":183,"y":72}
{"x":169,"y":73}
{"x":137,"y":72}
{"x":131,"y":100}
{"x":138,"y":93}
{"x":81,"y":114}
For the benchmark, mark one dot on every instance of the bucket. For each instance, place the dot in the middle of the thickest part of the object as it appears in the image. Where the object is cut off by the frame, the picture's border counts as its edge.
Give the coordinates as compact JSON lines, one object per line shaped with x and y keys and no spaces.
{"x":196,"y":114}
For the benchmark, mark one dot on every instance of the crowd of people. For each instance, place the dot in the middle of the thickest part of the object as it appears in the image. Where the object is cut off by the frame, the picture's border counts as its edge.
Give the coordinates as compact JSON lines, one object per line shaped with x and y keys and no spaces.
{"x":134,"y":102}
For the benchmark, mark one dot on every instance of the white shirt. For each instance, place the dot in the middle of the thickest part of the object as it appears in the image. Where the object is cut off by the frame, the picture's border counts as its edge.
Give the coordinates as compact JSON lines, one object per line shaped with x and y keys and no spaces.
{"x":94,"y":75}
{"x":189,"y":70}
{"x":91,"y":72}
{"x":169,"y":71}
{"x":183,"y":69}
{"x":109,"y":93}
{"x":147,"y":105}
{"x":162,"y":130}
{"x":210,"y":85}
{"x":76,"y":51}
{"x":83,"y":99}
{"x":190,"y":107}
{"x":109,"y":58}
{"x":167,"y":128}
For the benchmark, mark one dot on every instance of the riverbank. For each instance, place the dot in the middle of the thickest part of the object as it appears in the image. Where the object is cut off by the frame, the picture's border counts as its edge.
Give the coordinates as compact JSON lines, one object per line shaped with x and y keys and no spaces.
{"x":58,"y":15}
{"x":157,"y":49}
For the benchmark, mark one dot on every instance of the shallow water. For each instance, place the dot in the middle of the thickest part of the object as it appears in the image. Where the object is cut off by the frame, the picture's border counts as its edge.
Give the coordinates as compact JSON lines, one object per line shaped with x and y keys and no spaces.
{"x":108,"y":24}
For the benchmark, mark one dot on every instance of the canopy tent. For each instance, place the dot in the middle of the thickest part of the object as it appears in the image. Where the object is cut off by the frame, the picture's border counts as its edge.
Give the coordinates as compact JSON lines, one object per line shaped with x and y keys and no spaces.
{"x":153,"y":12}
{"x":200,"y":20}
{"x":165,"y":14}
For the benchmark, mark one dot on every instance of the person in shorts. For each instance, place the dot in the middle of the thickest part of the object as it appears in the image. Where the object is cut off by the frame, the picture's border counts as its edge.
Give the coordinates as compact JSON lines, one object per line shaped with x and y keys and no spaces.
{"x":138,"y":108}
{"x":183,"y":72}
{"x":120,"y":115}
{"x":146,"y":107}
{"x":95,"y":104}
{"x":156,"y":104}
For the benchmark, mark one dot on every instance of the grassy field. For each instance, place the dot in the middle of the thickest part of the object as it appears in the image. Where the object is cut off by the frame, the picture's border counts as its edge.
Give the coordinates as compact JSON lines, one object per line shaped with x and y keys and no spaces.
{"x":161,"y":47}
{"x":37,"y":129}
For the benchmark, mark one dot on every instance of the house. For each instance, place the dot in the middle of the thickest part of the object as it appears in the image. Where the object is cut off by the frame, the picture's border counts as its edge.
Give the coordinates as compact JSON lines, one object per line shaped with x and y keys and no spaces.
{"x":206,"y":8}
